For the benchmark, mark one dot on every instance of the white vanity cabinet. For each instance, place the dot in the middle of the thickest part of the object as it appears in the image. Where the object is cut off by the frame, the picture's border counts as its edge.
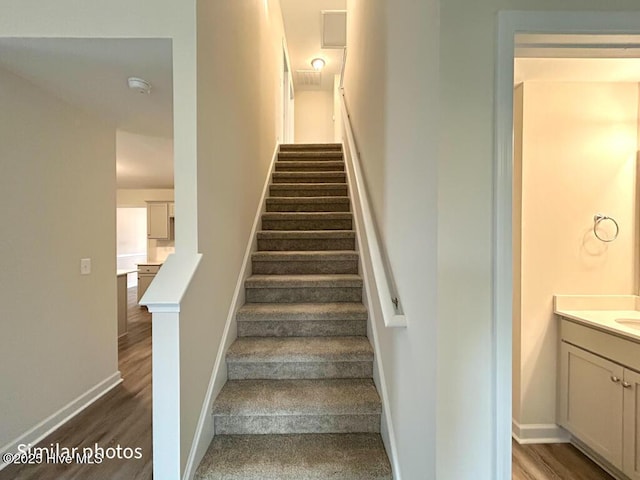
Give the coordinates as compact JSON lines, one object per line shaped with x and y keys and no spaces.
{"x":631,"y":425}
{"x":599,"y":399}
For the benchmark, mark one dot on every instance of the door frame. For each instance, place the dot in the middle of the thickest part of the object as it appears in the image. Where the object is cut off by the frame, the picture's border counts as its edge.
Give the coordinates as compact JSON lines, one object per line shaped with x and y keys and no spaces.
{"x":511,"y":23}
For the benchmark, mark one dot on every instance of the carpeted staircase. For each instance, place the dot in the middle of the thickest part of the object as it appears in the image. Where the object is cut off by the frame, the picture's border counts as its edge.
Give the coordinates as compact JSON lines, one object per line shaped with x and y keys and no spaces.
{"x":300,"y":402}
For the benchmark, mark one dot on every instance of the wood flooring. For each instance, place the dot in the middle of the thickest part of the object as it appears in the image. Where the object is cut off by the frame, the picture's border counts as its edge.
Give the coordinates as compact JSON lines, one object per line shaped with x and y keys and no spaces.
{"x":122,"y":417}
{"x":559,"y":461}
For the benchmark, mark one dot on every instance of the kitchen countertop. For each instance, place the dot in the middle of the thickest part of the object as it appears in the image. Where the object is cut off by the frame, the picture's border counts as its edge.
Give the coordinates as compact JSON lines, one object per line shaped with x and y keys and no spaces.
{"x":150,"y":263}
{"x":125,"y":271}
{"x":605,"y":320}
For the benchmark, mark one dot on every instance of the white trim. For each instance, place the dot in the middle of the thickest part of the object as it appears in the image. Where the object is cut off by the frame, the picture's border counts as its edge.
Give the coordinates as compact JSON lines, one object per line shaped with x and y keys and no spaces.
{"x":165,"y":293}
{"x":539,"y":433}
{"x":62,"y":416}
{"x":367,"y":231}
{"x":204,"y":430}
{"x":510,"y":23}
{"x":387,"y":430}
{"x":165,"y":342}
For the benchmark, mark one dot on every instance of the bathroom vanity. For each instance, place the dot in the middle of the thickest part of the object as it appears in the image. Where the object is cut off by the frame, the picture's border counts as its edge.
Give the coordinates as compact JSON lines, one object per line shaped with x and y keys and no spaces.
{"x":599,"y":381}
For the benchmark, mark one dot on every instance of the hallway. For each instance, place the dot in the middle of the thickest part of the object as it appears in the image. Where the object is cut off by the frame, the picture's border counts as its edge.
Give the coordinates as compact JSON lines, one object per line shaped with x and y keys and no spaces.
{"x":122,"y":417}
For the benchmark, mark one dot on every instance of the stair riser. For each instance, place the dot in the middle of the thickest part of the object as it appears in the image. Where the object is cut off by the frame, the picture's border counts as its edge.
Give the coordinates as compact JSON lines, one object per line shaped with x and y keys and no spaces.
{"x":301,"y":178}
{"x":303,"y":244}
{"x":304,"y":268}
{"x":314,"y":156}
{"x":304,"y":295}
{"x":321,"y":191}
{"x":297,"y":370}
{"x":326,"y":166}
{"x":308,"y":207}
{"x":306,"y":328}
{"x":310,"y":147}
{"x":316,"y":224}
{"x":257,"y":425}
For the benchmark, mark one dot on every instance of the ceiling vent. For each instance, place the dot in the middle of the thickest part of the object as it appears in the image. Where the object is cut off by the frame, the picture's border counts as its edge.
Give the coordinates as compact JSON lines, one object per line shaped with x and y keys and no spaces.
{"x":334,"y":28}
{"x":308,"y":78}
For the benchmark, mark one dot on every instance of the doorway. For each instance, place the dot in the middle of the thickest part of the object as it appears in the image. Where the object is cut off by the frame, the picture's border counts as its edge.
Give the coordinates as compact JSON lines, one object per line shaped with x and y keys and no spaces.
{"x":511,"y":24}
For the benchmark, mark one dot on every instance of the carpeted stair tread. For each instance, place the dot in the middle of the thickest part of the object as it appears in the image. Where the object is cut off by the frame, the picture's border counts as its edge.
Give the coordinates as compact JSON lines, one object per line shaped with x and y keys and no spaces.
{"x":303,"y":281}
{"x":305,"y":234}
{"x":302,"y":256}
{"x":298,"y":397}
{"x":354,"y":456}
{"x":310,"y":155}
{"x":265,"y":312}
{"x":308,"y":204}
{"x":304,"y":262}
{"x":309,"y":165}
{"x":307,"y":215}
{"x":300,"y":349}
{"x":309,"y":177}
{"x":294,"y":147}
{"x":308,"y":189}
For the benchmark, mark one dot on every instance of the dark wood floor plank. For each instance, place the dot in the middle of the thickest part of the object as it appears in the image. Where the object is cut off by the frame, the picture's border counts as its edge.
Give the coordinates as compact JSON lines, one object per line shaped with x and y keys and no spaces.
{"x":559,"y":461}
{"x":122,"y":417}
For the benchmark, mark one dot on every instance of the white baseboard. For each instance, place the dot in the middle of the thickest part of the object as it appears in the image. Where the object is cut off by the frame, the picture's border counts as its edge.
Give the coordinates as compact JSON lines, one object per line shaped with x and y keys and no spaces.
{"x":204,"y":430}
{"x":66,"y":413}
{"x":538,"y":433}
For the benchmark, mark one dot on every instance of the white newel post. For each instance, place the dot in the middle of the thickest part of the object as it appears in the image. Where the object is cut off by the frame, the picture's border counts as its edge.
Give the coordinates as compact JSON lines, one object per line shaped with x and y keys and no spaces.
{"x":166,"y":394}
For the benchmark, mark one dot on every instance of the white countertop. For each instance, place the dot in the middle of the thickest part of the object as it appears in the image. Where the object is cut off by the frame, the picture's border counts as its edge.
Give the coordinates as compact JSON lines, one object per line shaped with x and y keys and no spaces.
{"x":125,"y":271}
{"x":605,"y":320}
{"x":150,"y":263}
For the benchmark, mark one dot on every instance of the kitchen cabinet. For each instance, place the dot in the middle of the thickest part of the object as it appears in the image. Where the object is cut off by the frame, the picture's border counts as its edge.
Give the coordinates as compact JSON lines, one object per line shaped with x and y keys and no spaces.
{"x":146,"y":274}
{"x":158,"y":223}
{"x":599,"y":394}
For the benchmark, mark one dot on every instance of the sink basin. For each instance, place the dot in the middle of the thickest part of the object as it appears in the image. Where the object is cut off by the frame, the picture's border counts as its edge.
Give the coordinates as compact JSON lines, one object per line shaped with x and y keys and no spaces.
{"x":629,"y":322}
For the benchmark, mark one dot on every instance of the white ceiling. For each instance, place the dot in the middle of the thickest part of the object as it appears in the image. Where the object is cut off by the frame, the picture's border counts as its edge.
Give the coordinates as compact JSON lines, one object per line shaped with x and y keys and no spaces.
{"x":303,"y":28}
{"x":92,"y":75}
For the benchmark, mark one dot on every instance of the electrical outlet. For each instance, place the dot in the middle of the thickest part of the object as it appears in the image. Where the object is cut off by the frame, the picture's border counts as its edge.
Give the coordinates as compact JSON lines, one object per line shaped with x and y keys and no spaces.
{"x":85,"y":266}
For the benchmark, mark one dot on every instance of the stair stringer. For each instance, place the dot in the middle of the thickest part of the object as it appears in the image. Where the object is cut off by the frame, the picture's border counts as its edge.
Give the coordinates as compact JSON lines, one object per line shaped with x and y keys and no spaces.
{"x":205,"y":429}
{"x":375,"y":317}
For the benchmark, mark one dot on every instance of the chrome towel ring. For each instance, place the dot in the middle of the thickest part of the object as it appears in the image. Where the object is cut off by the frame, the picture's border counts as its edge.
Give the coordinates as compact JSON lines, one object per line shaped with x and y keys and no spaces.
{"x":597,"y":219}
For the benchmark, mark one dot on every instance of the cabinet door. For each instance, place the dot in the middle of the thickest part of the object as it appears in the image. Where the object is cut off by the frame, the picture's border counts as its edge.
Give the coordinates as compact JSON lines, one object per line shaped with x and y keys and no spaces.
{"x":158,"y":221}
{"x":143,"y":283}
{"x":591,"y":401}
{"x":631,"y":427}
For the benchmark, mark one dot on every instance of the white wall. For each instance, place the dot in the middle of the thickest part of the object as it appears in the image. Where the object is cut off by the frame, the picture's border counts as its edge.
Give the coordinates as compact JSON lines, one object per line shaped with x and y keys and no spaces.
{"x":134,"y":197}
{"x":466,"y":373}
{"x":57,"y":198}
{"x":314,"y":116}
{"x":391,"y":92}
{"x":578,"y":159}
{"x":239,"y":121}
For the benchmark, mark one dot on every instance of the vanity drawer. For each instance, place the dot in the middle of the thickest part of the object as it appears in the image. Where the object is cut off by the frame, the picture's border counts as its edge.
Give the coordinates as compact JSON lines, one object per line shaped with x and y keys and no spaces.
{"x":606,"y":345}
{"x":143,"y":268}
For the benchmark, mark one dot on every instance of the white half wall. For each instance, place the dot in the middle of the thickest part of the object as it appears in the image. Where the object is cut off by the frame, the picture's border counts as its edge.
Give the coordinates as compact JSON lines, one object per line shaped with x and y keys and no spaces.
{"x":57,"y":202}
{"x":314,"y":116}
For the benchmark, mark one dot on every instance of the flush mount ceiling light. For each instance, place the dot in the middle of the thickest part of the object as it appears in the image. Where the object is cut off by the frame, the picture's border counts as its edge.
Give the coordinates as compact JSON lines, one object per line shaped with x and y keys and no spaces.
{"x":318,"y":64}
{"x":139,"y":85}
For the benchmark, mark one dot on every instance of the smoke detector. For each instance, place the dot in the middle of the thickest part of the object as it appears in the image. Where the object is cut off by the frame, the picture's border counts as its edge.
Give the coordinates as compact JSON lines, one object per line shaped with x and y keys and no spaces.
{"x":139,"y":85}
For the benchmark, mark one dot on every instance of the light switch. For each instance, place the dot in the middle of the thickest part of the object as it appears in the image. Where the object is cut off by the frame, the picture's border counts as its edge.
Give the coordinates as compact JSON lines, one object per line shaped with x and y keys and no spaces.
{"x":85,"y":266}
